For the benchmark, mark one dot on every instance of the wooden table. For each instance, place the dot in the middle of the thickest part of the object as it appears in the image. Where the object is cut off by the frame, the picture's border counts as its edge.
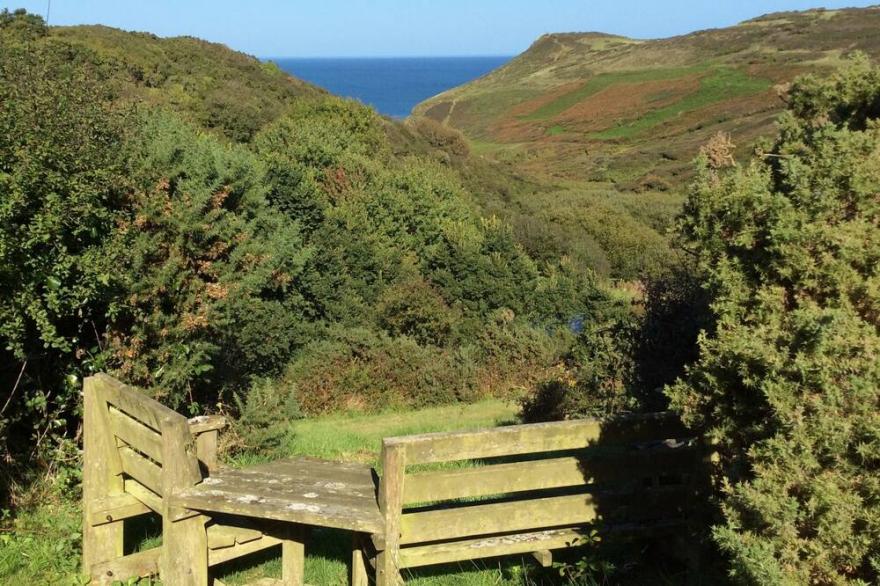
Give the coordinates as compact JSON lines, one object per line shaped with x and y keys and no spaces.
{"x":304,"y":491}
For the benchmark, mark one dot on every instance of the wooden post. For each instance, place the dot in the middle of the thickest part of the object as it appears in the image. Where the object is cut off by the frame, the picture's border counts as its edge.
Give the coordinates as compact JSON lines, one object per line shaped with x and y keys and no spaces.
{"x":102,"y":477}
{"x":391,"y":505}
{"x":206,"y":448}
{"x":358,"y":564}
{"x":293,"y":556}
{"x":184,"y":559}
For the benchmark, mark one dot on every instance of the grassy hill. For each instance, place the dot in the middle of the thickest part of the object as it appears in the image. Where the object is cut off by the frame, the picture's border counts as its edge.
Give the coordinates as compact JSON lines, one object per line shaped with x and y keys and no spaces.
{"x":602,"y":108}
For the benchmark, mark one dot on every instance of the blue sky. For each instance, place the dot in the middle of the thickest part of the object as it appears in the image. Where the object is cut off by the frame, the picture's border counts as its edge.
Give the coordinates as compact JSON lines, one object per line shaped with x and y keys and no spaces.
{"x":297,"y":28}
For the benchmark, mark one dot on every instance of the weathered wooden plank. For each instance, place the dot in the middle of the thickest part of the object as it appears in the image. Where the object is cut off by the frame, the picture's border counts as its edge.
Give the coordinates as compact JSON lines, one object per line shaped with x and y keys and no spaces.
{"x":539,"y":513}
{"x":116,"y":508}
{"x":461,"y":522}
{"x":538,"y":437}
{"x":358,"y":571}
{"x":206,"y":423}
{"x":142,"y":564}
{"x":219,"y":556}
{"x":486,"y":547}
{"x":298,"y":492}
{"x":144,"y":495}
{"x":220,"y":536}
{"x":206,"y":450}
{"x":102,"y":478}
{"x":391,"y":504}
{"x":528,"y":542}
{"x":141,"y":469}
{"x":293,"y":551}
{"x":630,"y":467}
{"x":134,"y":402}
{"x":135,"y":434}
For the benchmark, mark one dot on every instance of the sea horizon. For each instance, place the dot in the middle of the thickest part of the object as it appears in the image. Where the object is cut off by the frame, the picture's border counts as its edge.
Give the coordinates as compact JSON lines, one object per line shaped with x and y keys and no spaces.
{"x":391,"y":85}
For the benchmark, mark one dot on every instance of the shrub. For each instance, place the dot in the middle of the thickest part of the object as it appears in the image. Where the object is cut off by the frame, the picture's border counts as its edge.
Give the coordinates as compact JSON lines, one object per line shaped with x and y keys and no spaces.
{"x":788,"y":384}
{"x":62,"y":185}
{"x":210,"y":296}
{"x":264,"y":417}
{"x":361,"y":370}
{"x":439,"y":136}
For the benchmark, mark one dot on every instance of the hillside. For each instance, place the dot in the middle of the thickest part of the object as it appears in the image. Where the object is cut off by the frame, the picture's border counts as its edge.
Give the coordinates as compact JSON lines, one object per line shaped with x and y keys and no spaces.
{"x":210,"y":84}
{"x":608,"y":109}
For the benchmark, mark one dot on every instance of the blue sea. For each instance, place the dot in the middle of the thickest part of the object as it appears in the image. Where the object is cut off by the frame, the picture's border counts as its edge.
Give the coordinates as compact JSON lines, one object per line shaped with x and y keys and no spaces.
{"x":392,"y":85}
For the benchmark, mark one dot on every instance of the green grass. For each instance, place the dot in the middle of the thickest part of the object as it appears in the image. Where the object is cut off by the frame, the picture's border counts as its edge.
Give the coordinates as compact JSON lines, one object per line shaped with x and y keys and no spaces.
{"x":555,"y":130}
{"x":722,"y":84}
{"x":604,"y":81}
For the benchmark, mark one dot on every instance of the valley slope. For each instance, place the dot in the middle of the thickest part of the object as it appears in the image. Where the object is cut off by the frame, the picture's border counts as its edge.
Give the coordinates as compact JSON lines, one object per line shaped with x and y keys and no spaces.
{"x":591,"y":106}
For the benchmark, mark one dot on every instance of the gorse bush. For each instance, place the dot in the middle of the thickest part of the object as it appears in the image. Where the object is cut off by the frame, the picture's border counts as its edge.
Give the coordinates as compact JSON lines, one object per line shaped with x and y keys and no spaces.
{"x":787,"y":386}
{"x":210,"y":293}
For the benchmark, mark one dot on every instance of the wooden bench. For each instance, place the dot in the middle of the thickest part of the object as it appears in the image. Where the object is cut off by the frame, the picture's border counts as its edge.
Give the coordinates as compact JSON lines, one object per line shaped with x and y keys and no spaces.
{"x":138,"y":454}
{"x":530,"y":489}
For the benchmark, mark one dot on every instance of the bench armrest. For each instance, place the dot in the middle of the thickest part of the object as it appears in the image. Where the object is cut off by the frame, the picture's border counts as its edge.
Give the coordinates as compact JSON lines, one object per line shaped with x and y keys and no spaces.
{"x":205,"y":430}
{"x":205,"y":423}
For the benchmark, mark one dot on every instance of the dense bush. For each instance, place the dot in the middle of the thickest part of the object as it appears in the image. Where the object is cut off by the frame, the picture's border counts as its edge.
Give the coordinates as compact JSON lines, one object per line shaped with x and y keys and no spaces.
{"x":787,"y":387}
{"x":62,"y":186}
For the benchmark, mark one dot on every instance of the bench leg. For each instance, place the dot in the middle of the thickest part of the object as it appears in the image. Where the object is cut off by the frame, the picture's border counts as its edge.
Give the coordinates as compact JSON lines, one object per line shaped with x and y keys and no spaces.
{"x":101,"y":479}
{"x":358,"y":563}
{"x":387,"y":569}
{"x":293,"y":556}
{"x":184,"y":559}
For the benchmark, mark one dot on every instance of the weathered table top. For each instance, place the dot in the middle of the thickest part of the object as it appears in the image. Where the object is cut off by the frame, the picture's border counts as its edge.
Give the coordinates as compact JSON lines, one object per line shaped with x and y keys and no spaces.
{"x":302,"y":490}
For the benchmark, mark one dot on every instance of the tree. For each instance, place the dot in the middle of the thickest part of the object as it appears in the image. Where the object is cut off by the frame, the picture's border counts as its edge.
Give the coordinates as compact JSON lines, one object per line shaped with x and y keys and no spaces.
{"x":787,"y":386}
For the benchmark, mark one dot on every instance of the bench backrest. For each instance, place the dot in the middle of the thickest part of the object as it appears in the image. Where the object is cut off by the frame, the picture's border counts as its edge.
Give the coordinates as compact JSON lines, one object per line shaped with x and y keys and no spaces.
{"x":526,"y":478}
{"x":136,"y":445}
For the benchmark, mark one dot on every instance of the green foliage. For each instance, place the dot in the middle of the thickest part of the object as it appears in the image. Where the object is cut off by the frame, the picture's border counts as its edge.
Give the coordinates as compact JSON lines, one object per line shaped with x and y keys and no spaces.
{"x":416,"y":309}
{"x":786,"y":387}
{"x":628,"y":350}
{"x":61,"y":189}
{"x":361,"y":370}
{"x":233,"y":94}
{"x":211,"y":293}
{"x":264,"y":418}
